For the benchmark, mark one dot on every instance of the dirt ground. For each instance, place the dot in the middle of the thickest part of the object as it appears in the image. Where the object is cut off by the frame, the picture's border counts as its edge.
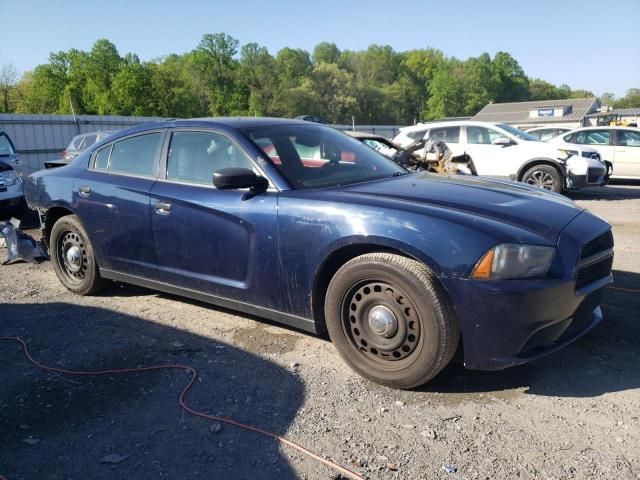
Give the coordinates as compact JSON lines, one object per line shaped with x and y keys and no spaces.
{"x":574,"y":414}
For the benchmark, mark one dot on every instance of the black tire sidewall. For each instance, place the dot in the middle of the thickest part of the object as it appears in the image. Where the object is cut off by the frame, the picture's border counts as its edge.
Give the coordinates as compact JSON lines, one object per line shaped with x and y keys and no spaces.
{"x":92,"y":280}
{"x":426,"y":358}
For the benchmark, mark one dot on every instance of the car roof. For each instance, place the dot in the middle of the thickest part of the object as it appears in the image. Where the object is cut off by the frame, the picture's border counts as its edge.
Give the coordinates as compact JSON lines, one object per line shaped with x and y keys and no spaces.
{"x":610,"y":127}
{"x":447,"y":123}
{"x":213,"y":122}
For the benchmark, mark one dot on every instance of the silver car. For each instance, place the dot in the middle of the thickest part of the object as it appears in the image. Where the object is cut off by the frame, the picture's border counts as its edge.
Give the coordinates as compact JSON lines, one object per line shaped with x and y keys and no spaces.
{"x":81,"y":142}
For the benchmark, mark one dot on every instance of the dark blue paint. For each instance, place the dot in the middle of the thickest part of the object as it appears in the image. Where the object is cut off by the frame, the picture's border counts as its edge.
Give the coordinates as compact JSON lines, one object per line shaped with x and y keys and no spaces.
{"x":266,"y":250}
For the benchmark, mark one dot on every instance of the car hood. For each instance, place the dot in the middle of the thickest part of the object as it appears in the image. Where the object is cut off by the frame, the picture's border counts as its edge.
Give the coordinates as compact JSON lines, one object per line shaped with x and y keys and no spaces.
{"x":531,"y":209}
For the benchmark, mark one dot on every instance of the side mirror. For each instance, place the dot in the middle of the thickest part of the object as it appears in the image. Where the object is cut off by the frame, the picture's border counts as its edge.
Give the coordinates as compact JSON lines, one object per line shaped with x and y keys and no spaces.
{"x":502,"y":141}
{"x":236,"y":178}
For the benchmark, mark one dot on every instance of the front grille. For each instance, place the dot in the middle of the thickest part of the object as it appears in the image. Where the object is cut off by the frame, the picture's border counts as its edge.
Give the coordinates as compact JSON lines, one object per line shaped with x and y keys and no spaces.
{"x":1,"y":179}
{"x":596,"y":260}
{"x":594,"y":174}
{"x":593,"y":272}
{"x":597,"y":245}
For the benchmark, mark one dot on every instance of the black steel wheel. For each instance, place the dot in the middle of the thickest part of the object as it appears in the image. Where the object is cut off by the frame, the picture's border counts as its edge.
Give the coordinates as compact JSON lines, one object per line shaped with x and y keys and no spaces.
{"x":72,"y":256}
{"x":544,"y":176}
{"x":391,"y":320}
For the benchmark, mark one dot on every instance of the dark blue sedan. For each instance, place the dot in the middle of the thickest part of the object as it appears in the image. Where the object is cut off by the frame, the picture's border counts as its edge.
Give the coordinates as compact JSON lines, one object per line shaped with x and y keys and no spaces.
{"x":299,"y":223}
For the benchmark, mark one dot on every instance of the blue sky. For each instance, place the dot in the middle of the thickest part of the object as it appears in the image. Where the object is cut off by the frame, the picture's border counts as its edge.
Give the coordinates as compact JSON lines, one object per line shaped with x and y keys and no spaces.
{"x":587,"y":44}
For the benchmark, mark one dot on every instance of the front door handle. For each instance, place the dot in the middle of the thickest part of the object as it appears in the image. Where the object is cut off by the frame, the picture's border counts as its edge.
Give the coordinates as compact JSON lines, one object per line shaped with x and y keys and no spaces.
{"x":84,"y":191}
{"x":162,"y":208}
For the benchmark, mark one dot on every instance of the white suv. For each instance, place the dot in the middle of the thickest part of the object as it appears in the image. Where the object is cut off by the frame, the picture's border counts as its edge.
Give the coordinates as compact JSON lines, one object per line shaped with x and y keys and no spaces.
{"x":502,"y":151}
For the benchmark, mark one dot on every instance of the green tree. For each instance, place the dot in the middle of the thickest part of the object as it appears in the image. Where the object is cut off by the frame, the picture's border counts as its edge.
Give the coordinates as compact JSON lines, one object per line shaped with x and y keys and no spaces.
{"x":326,"y":53}
{"x":511,"y":82}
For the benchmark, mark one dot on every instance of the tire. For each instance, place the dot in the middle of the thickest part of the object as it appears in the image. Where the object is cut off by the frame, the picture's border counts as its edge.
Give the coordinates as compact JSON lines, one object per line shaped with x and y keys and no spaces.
{"x":72,"y":257}
{"x":544,"y":176}
{"x":410,"y":346}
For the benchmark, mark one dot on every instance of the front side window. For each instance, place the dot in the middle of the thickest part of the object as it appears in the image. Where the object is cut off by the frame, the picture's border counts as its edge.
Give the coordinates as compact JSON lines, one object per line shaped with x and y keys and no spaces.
{"x":628,"y":138}
{"x":136,"y":155}
{"x":314,"y":156}
{"x":593,"y":137}
{"x":5,"y":146}
{"x":446,"y":135}
{"x":194,"y":156}
{"x":482,"y":135}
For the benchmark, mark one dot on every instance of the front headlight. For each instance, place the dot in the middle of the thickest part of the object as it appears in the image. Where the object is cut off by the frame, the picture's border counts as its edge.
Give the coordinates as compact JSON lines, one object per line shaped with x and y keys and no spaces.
{"x":10,"y":177}
{"x":511,"y":260}
{"x":565,"y":154}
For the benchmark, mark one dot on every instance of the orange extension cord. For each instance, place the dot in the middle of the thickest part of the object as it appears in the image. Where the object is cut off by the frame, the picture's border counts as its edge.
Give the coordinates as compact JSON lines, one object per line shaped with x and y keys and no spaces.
{"x":194,"y":375}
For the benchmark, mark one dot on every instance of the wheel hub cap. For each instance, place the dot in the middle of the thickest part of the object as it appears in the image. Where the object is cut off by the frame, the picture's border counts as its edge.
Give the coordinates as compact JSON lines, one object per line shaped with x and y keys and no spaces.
{"x":74,"y":258}
{"x":382,"y":321}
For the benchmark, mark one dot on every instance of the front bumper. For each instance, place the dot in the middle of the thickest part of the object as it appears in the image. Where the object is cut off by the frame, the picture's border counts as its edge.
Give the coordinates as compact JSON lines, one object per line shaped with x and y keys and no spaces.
{"x":507,"y":323}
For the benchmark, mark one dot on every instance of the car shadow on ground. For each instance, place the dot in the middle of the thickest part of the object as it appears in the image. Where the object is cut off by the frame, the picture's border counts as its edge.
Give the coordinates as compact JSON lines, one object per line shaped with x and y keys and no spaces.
{"x":58,"y":426}
{"x":603,"y":361}
{"x":617,"y":191}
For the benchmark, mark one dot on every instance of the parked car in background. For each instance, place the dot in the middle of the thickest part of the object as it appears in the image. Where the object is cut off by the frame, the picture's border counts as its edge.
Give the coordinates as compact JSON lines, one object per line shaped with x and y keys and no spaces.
{"x":618,"y":145}
{"x":547,"y":133}
{"x":11,"y":193}
{"x":397,"y":266}
{"x":312,"y":118}
{"x":81,"y":142}
{"x":503,"y":151}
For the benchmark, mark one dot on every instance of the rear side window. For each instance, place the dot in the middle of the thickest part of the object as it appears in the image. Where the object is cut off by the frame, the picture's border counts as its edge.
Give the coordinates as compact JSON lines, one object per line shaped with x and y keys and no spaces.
{"x":135,"y":155}
{"x":102,"y":158}
{"x":88,"y":141}
{"x":446,"y":135}
{"x":628,"y":138}
{"x":417,"y":134}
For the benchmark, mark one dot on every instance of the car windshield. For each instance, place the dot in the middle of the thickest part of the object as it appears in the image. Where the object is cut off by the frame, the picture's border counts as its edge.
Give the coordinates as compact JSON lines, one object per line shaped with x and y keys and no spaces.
{"x":314,"y":156}
{"x":516,"y":132}
{"x":5,"y":146}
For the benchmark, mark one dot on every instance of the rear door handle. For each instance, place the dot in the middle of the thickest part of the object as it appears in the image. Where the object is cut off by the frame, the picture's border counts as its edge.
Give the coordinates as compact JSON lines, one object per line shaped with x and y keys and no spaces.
{"x":162,"y":208}
{"x":84,"y":191}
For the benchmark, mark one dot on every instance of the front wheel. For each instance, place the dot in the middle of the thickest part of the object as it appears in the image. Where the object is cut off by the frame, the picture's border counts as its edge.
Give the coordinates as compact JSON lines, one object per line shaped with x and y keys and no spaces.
{"x":391,"y":320}
{"x":544,"y":176}
{"x":72,"y":257}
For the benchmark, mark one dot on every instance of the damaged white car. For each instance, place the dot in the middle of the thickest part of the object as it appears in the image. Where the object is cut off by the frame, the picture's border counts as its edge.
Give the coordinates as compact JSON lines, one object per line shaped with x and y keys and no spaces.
{"x":503,"y":151}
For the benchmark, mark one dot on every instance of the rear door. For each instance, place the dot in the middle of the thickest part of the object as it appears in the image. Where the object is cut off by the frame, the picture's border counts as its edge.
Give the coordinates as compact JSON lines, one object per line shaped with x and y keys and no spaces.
{"x":112,"y":198}
{"x":627,"y":147}
{"x":221,"y":242}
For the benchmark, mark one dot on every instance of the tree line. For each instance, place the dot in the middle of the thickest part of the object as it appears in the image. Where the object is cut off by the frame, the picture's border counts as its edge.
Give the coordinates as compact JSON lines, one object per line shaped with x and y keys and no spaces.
{"x":219,"y":77}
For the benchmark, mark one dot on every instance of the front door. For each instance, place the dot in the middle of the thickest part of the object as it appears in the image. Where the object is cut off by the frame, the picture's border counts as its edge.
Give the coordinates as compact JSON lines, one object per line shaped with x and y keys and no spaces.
{"x":491,"y":160}
{"x":220,"y":242}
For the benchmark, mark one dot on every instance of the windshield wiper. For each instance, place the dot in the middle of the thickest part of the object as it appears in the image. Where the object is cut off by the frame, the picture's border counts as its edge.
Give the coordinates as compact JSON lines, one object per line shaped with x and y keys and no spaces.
{"x":399,"y":174}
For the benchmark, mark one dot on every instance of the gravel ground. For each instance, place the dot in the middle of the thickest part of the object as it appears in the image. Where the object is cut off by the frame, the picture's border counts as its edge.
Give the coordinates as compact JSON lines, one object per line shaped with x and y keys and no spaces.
{"x":574,"y":414}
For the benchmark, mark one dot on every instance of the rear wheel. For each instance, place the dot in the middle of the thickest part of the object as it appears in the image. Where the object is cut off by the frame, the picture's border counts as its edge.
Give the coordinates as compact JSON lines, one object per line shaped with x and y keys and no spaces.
{"x":544,"y":176}
{"x":72,"y":256}
{"x":391,"y":320}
